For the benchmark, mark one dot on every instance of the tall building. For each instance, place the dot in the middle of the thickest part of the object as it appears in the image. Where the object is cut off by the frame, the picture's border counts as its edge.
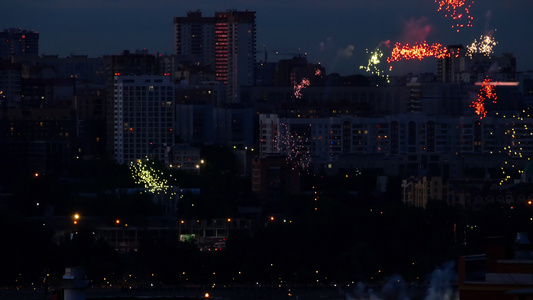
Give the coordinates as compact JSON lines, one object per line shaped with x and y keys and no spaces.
{"x":459,"y":67}
{"x":10,"y":84}
{"x":194,"y":38}
{"x":144,"y":118}
{"x":127,"y":63}
{"x":19,"y":42}
{"x":36,"y":140}
{"x":227,"y":40}
{"x":403,"y":144}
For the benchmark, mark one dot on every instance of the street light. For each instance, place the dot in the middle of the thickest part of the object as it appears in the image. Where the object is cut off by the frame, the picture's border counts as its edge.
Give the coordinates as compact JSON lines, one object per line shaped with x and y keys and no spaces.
{"x":75,"y":218}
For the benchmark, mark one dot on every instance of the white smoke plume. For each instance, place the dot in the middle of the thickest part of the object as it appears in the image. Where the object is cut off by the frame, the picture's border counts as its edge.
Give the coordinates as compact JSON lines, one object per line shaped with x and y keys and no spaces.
{"x":439,"y":287}
{"x":440,"y":284}
{"x":346,"y":52}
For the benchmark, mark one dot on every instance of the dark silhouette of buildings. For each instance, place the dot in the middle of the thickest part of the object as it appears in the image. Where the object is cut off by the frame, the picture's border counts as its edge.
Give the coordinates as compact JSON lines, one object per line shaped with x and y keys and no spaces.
{"x":226,"y":43}
{"x":19,"y":42}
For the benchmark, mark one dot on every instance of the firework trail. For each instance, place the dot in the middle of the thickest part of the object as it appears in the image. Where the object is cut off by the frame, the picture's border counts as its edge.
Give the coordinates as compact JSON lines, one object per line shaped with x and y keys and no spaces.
{"x":486,"y":93}
{"x":417,"y":51}
{"x":297,"y":87}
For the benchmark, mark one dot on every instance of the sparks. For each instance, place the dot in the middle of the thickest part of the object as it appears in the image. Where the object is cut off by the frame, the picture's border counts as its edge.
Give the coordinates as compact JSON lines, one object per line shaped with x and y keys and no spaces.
{"x":299,"y":86}
{"x":457,"y":10}
{"x":146,"y":175}
{"x":417,"y":51}
{"x":520,"y":140}
{"x":486,"y":93}
{"x":295,"y":147}
{"x":484,"y":46}
{"x":373,"y":65}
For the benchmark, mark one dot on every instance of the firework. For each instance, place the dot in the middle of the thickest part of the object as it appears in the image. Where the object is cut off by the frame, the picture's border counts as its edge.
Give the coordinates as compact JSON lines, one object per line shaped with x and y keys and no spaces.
{"x":297,"y":87}
{"x":484,"y":46}
{"x":417,"y":51}
{"x":458,"y":10}
{"x":295,"y":147}
{"x":486,"y":93}
{"x":520,"y":142}
{"x":145,"y":174}
{"x":373,"y":65}
{"x":318,"y":72}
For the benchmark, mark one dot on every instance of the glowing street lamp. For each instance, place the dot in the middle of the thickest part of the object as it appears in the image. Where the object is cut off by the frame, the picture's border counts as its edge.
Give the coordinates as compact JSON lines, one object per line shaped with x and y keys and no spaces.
{"x":75,"y":218}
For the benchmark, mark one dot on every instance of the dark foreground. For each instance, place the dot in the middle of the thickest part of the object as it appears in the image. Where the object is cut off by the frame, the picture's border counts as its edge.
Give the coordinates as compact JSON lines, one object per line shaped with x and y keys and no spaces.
{"x":245,"y":293}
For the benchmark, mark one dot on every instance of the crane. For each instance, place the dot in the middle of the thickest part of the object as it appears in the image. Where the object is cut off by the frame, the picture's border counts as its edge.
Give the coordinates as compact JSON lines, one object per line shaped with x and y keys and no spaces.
{"x":298,"y":54}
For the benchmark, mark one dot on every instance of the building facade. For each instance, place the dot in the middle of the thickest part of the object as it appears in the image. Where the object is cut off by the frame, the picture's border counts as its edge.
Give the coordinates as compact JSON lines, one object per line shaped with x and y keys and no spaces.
{"x":19,"y":42}
{"x":227,"y":42}
{"x":499,"y":273}
{"x":194,"y":38}
{"x":401,"y":134}
{"x":144,"y":118}
{"x":403,"y":144}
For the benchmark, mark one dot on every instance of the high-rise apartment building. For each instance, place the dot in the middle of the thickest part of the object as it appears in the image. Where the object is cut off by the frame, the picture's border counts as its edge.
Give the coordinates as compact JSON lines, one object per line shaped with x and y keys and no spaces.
{"x":462,"y":66}
{"x":144,"y":118}
{"x":395,"y":135}
{"x":19,"y":42}
{"x":226,"y":42}
{"x":194,"y":38}
{"x":128,"y":63}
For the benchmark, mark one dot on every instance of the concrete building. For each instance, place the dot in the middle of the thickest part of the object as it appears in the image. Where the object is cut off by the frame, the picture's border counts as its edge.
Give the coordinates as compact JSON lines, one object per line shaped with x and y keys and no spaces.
{"x":459,"y":67}
{"x":81,"y":68}
{"x":10,"y":84}
{"x":36,"y":140}
{"x":185,"y":158}
{"x":211,"y":234}
{"x":419,"y":191}
{"x":206,"y":124}
{"x":273,"y":178}
{"x":504,"y":272}
{"x":19,"y":42}
{"x":399,"y":134}
{"x":414,"y":144}
{"x":128,"y":63}
{"x":227,"y":42}
{"x":90,"y":107}
{"x":144,"y":118}
{"x":194,"y":38}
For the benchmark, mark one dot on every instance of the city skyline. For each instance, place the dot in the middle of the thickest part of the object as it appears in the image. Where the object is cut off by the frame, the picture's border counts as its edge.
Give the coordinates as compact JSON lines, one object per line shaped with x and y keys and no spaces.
{"x":338,"y":35}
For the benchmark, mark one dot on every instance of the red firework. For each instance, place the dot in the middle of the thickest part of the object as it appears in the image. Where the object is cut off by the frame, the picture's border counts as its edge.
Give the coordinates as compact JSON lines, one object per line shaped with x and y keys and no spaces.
{"x":487,"y":92}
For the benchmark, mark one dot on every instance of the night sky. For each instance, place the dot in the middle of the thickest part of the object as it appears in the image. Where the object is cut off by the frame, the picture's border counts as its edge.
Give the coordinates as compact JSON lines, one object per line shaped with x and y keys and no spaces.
{"x":335,"y":33}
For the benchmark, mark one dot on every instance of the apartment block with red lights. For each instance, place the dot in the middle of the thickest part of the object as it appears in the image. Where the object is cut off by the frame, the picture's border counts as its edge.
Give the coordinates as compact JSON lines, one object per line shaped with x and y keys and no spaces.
{"x":226,"y":42}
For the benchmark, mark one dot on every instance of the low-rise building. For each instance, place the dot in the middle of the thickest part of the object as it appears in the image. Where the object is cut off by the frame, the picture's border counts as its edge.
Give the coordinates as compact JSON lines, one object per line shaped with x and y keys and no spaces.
{"x":505,"y":272}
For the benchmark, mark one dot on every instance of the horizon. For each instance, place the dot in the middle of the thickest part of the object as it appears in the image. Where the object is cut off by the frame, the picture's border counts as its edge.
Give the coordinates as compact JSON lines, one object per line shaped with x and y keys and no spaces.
{"x":336,"y":35}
